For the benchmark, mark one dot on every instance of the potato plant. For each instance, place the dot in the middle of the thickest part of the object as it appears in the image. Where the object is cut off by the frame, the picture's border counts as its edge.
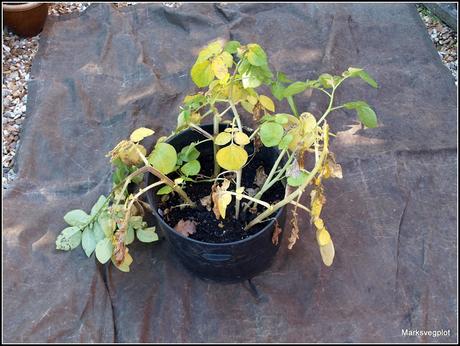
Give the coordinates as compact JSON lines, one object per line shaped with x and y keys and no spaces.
{"x":229,"y":75}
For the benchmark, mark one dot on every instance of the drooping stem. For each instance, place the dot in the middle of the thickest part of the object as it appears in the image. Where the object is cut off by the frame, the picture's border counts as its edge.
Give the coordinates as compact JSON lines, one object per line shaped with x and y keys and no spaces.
{"x":162,"y":177}
{"x":299,"y":190}
{"x":239,"y":173}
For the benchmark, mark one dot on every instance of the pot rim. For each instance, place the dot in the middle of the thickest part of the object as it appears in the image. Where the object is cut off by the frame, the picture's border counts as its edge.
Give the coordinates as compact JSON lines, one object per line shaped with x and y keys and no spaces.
{"x":155,"y":212}
{"x":22,"y":7}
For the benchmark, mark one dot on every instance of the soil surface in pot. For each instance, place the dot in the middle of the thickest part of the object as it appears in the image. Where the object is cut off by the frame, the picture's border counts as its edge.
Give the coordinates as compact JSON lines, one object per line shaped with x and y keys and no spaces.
{"x":208,"y":228}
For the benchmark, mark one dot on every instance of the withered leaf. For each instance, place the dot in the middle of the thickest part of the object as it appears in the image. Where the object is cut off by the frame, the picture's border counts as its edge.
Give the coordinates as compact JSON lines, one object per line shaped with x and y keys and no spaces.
{"x":185,"y":227}
{"x":295,"y":230}
{"x":260,"y":177}
{"x":206,"y":201}
{"x":276,"y":233}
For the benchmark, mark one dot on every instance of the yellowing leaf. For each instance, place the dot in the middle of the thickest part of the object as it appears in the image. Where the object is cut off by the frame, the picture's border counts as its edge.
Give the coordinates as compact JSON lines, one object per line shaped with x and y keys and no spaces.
{"x":222,"y":203}
{"x":140,"y":134}
{"x":221,"y":198}
{"x":241,"y":138}
{"x":219,"y":67}
{"x":323,"y":237}
{"x":327,"y":253}
{"x":232,"y":157}
{"x":202,"y":73}
{"x":252,"y":99}
{"x":319,"y":224}
{"x":163,"y":158}
{"x":308,"y":122}
{"x":267,"y":103}
{"x":124,"y":265}
{"x":223,"y":138}
{"x":239,"y":191}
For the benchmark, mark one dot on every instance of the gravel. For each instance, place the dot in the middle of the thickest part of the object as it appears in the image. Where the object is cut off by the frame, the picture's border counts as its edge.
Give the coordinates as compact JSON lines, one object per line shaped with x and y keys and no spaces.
{"x":18,"y":54}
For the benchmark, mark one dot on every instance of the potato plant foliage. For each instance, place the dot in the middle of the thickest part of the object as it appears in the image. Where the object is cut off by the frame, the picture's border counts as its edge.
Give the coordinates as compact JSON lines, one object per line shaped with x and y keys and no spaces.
{"x":229,"y":76}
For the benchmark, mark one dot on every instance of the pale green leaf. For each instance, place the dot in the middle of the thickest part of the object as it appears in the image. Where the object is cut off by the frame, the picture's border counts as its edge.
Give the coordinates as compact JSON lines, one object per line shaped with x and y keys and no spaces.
{"x":76,"y":217}
{"x":104,"y":250}
{"x":147,"y":235}
{"x":88,"y":241}
{"x":98,"y":205}
{"x":271,"y":133}
{"x":69,"y":239}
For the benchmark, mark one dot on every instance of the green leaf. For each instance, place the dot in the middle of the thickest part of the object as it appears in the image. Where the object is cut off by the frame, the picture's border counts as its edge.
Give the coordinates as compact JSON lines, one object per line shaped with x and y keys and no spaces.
{"x":140,"y":133}
{"x":326,"y":80}
{"x":202,"y":73}
{"x":368,"y":79}
{"x":232,"y":157}
{"x":191,"y":168}
{"x":163,"y":158}
{"x":88,"y":241}
{"x":278,"y":91}
{"x":281,"y":76}
{"x":69,"y":239}
{"x":232,"y":46}
{"x":355,"y":104}
{"x":271,"y":133}
{"x":189,"y":153}
{"x":104,"y":250}
{"x":367,"y":116}
{"x":294,"y":88}
{"x":297,"y":180}
{"x":76,"y":217}
{"x":98,"y":232}
{"x":256,"y":55}
{"x":165,"y":190}
{"x":365,"y":113}
{"x":147,"y":235}
{"x":285,"y":141}
{"x":282,"y":118}
{"x":129,"y":236}
{"x":98,"y":205}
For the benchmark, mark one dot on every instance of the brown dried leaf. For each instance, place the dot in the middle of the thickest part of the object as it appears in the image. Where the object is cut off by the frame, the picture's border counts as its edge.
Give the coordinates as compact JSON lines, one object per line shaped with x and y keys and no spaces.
{"x":260,"y":177}
{"x":186,"y":227}
{"x":206,"y":201}
{"x":276,"y":233}
{"x":220,"y":198}
{"x":295,"y":230}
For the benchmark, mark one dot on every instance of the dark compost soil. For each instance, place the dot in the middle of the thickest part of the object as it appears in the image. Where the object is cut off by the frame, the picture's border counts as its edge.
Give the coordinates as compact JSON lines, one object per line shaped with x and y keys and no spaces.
{"x":208,"y":228}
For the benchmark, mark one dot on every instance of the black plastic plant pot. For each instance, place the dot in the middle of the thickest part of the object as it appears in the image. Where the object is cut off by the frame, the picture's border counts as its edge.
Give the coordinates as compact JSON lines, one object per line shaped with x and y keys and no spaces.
{"x":225,"y":262}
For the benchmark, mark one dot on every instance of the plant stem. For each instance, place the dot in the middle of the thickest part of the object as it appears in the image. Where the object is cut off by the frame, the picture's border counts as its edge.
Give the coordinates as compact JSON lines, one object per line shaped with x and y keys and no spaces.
{"x":160,"y":176}
{"x":299,"y":190}
{"x":236,"y":115}
{"x":216,"y":123}
{"x":239,"y":173}
{"x":252,"y":199}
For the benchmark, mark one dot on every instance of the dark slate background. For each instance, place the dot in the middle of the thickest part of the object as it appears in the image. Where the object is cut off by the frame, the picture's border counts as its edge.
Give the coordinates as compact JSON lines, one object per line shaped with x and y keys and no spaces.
{"x":99,"y":75}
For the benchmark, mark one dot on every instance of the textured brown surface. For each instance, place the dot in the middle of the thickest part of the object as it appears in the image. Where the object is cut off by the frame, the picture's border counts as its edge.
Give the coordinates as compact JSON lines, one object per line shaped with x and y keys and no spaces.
{"x":101,"y":74}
